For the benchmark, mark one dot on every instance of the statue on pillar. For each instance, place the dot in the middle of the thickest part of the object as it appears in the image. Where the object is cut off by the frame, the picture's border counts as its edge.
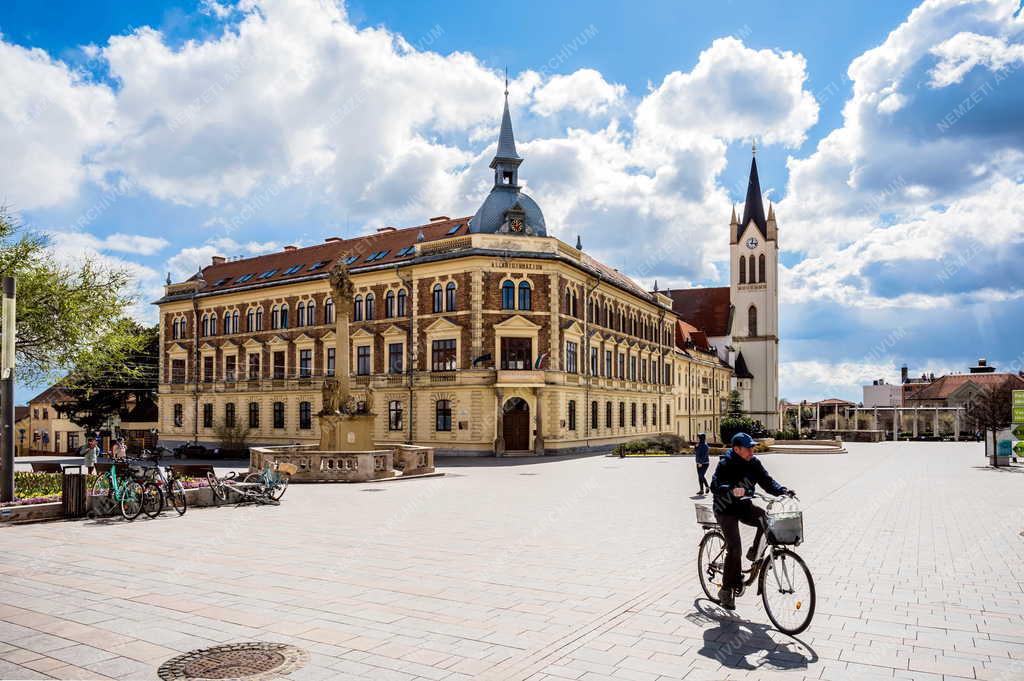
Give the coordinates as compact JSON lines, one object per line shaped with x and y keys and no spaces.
{"x":335,"y":392}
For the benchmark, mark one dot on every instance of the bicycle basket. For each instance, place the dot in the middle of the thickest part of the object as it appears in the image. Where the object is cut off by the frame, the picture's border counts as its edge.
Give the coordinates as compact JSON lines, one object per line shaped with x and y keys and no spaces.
{"x":705,"y":515}
{"x":287,"y":468}
{"x":786,"y":527}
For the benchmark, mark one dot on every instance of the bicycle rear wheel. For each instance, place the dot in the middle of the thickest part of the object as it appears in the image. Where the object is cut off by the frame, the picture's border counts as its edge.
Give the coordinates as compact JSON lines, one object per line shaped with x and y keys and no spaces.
{"x":217,"y":489}
{"x":277,"y":491}
{"x":152,"y":499}
{"x":102,"y":500}
{"x":787,"y":591}
{"x":711,"y":563}
{"x":177,"y":491}
{"x":131,"y":500}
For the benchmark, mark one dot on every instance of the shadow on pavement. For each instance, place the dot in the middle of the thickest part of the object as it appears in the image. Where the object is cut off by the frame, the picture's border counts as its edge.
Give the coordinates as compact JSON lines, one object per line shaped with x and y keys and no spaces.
{"x":479,"y":461}
{"x":733,"y":640}
{"x":1012,"y":468}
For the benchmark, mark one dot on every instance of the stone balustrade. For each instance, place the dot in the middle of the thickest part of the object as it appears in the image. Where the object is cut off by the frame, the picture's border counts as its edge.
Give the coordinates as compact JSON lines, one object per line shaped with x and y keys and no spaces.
{"x":316,"y":465}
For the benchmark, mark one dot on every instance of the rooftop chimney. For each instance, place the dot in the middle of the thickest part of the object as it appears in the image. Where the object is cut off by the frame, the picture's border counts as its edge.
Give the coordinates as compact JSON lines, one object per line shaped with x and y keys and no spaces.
{"x":440,"y":218}
{"x":332,"y":238}
{"x":386,"y":229}
{"x":218,"y":260}
{"x":903,"y":374}
{"x":290,"y":248}
{"x":982,"y":367}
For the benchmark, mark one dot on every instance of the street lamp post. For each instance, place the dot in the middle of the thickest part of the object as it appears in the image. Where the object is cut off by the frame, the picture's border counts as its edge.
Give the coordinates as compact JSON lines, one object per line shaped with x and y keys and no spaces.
{"x":7,"y":389}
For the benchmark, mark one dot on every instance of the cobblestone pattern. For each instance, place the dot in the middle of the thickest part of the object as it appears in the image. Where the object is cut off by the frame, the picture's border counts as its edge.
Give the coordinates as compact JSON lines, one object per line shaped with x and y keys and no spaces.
{"x":555,"y":569}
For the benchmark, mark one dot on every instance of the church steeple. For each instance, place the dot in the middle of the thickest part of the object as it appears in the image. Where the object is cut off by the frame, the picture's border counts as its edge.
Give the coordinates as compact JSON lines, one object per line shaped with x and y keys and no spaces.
{"x":753,"y":207}
{"x":506,"y":161}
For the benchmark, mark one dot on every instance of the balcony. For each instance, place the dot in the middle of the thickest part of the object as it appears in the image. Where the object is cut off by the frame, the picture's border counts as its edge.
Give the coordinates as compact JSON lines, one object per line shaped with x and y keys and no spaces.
{"x":528,"y":377}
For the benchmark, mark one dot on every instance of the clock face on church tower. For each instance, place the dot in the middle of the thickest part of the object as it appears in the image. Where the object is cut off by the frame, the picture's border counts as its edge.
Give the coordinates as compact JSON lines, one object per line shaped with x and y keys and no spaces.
{"x":516,"y":225}
{"x":752,"y":243}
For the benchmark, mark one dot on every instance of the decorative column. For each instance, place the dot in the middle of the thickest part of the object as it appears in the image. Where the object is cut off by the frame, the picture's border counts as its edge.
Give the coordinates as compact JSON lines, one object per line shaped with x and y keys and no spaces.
{"x":915,"y":421}
{"x":817,"y":417}
{"x":538,"y":440}
{"x":935,"y":423}
{"x":874,"y":419}
{"x":956,"y":425}
{"x":499,"y":422}
{"x":895,"y":424}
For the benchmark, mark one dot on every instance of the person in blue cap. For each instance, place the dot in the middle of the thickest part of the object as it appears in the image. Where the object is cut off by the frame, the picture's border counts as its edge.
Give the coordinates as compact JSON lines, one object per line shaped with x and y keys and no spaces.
{"x":737,"y":474}
{"x":703,"y":460}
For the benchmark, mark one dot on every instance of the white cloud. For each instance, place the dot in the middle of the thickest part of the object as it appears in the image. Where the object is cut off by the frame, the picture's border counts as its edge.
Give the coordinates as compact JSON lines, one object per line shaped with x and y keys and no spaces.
{"x":585,"y":91}
{"x":735,"y":92}
{"x":50,"y":121}
{"x":964,"y":51}
{"x":124,"y":243}
{"x":188,"y":261}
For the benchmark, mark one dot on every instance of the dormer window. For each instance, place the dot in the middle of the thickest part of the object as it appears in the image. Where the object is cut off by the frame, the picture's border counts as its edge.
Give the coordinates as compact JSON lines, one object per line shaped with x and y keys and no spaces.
{"x":506,"y":177}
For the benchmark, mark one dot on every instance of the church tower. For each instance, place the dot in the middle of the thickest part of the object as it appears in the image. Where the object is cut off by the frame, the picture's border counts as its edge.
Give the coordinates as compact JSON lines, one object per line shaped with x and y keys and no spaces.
{"x":754,"y":295}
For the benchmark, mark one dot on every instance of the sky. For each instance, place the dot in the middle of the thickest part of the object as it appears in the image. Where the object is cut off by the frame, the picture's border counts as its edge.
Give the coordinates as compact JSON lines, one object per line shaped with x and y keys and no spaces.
{"x":153,"y":135}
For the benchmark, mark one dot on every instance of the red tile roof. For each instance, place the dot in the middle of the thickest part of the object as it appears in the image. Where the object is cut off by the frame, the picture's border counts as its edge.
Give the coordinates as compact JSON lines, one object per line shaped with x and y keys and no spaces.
{"x":706,"y":308}
{"x":946,"y":385}
{"x":833,"y":401}
{"x":226,"y":275}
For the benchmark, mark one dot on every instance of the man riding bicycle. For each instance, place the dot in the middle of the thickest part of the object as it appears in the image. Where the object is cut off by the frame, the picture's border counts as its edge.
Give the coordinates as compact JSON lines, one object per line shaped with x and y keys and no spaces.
{"x":733,"y":484}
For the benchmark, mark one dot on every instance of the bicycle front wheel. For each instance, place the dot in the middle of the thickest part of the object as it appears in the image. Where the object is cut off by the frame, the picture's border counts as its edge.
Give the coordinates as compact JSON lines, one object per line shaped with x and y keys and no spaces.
{"x":217,"y":489}
{"x":277,"y":491}
{"x":152,"y":499}
{"x":131,"y":500}
{"x":711,"y":563}
{"x":787,"y":591}
{"x":178,"y":497}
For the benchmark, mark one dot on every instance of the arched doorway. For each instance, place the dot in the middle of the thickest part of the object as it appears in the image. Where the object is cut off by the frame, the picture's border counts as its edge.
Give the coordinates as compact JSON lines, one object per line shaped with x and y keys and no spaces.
{"x":516,"y":424}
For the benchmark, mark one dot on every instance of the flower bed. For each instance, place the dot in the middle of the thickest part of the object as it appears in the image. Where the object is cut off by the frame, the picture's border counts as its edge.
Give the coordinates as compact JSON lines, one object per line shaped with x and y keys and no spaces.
{"x":45,"y":488}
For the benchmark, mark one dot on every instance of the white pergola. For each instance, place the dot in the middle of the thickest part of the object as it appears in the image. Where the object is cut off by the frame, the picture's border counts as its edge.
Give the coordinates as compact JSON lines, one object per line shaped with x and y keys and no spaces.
{"x":897,"y":418}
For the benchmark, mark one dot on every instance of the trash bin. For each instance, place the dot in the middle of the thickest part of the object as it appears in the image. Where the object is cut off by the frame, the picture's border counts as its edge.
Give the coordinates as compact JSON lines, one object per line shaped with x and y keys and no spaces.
{"x":72,"y":495}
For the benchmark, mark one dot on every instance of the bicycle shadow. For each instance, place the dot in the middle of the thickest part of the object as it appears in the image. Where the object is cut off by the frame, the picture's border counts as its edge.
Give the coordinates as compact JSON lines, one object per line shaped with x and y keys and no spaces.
{"x":733,"y":641}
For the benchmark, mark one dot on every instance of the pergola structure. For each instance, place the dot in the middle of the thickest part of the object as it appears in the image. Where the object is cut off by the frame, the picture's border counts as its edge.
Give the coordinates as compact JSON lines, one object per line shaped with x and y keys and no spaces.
{"x":848,"y":417}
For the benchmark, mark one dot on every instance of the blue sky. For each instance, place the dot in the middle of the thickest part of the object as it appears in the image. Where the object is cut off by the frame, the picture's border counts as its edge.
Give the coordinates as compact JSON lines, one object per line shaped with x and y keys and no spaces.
{"x":153,"y":135}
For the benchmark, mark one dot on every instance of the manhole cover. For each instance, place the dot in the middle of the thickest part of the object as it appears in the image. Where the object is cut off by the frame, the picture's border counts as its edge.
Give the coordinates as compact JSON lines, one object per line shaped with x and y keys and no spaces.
{"x":248,"y":661}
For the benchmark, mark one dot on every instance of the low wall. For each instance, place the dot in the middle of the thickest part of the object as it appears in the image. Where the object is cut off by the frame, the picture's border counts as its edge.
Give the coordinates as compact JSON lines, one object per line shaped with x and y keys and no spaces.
{"x":852,"y":435}
{"x":315,"y":465}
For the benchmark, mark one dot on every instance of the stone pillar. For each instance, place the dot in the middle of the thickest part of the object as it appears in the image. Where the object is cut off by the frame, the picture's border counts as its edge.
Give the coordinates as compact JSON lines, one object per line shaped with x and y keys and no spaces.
{"x":817,"y":417}
{"x":538,"y":440}
{"x":342,"y":349}
{"x":956,"y":425}
{"x":935,"y":423}
{"x":874,"y":419}
{"x":554,"y":324}
{"x":895,"y":424}
{"x":915,"y":421}
{"x":499,"y":420}
{"x":476,"y":296}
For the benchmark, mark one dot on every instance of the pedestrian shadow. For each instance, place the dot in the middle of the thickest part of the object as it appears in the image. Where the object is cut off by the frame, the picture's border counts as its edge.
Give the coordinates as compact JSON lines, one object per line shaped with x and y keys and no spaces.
{"x":1010,"y":468}
{"x":732,"y":641}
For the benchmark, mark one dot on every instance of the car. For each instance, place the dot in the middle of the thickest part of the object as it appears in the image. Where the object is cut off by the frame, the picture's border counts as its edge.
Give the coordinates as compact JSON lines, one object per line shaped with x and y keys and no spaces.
{"x":192,"y":450}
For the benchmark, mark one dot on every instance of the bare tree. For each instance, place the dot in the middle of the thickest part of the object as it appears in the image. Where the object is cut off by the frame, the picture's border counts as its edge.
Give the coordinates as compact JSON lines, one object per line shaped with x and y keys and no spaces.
{"x":989,"y":412}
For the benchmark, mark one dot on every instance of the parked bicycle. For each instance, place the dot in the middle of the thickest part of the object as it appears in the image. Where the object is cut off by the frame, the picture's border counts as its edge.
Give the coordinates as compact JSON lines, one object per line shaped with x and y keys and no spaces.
{"x":119,"y":488}
{"x":171,"y":490}
{"x":783,"y":579}
{"x":263,"y":487}
{"x":273,"y":479}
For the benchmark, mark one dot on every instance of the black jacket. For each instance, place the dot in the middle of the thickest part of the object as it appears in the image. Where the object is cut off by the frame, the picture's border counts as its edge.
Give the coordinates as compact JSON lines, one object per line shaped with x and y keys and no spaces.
{"x":733,"y":471}
{"x":701,"y":453}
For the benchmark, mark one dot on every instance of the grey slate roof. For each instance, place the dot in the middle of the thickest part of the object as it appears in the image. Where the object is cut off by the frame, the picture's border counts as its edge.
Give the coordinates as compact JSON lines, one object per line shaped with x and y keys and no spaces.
{"x":753,"y":208}
{"x":506,"y":139}
{"x":491,"y":215}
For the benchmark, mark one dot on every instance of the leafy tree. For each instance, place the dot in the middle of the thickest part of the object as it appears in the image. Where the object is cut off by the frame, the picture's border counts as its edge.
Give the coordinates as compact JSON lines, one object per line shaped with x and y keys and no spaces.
{"x":101,"y":387}
{"x":735,"y":406}
{"x":65,"y":313}
{"x":232,"y":437}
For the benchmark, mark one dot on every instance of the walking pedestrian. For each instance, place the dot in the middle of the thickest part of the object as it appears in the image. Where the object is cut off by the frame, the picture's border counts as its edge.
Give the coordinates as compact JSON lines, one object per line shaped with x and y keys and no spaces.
{"x":701,"y":452}
{"x":89,"y":452}
{"x":118,"y":451}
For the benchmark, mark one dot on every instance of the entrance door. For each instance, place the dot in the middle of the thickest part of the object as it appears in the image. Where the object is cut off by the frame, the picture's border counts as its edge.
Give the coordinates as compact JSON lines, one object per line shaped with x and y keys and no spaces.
{"x":516,"y":424}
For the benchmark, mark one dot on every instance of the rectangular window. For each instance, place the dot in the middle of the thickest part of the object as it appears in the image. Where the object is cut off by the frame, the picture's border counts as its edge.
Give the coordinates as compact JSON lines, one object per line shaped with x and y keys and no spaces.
{"x":330,"y":361}
{"x":607,"y":414}
{"x":254,"y":414}
{"x":608,"y":364}
{"x":305,"y":363}
{"x":443,"y":357}
{"x":279,"y":364}
{"x":395,"y":415}
{"x":363,"y":360}
{"x":208,"y":415}
{"x":593,"y":415}
{"x":443,"y":415}
{"x":632,"y":368}
{"x":279,"y":414}
{"x":570,"y":357}
{"x":177,"y":371}
{"x":305,"y":415}
{"x":229,"y":414}
{"x":254,"y":366}
{"x":179,"y":415}
{"x":622,"y":366}
{"x":572,"y":414}
{"x":395,"y":356}
{"x":208,"y":369}
{"x":593,"y":362}
{"x":632,"y":414}
{"x":516,"y":353}
{"x":622,"y":414}
{"x":229,"y":367}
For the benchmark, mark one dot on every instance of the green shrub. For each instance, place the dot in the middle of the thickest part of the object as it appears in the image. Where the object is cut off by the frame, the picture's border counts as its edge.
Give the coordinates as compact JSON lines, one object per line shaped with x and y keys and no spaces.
{"x":741,"y":424}
{"x":30,"y":485}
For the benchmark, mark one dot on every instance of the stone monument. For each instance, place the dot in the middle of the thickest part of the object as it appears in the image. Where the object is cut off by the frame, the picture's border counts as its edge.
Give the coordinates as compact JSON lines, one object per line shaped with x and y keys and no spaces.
{"x":345,"y":425}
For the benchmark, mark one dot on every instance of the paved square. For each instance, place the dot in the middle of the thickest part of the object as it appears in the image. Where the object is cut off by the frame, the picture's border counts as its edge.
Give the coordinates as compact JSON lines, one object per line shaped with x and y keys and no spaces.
{"x":544,"y":569}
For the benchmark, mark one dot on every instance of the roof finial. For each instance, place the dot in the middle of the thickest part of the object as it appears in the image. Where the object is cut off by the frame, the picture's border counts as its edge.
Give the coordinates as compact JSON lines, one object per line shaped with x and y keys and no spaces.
{"x":753,"y":146}
{"x":506,"y":82}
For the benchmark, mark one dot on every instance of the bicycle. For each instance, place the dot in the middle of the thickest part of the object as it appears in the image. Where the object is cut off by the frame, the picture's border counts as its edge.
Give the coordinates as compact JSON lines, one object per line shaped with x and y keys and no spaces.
{"x":273,"y":479}
{"x":127,"y":494}
{"x":169,"y":485}
{"x":789,"y":596}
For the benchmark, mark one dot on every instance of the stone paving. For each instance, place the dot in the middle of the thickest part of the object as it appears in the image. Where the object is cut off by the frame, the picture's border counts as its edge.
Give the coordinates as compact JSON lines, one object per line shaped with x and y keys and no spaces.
{"x":566,"y":568}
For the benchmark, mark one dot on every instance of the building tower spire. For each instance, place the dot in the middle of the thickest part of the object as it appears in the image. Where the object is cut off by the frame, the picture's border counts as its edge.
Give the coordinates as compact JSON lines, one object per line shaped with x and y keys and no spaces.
{"x":753,"y":207}
{"x":506,"y":161}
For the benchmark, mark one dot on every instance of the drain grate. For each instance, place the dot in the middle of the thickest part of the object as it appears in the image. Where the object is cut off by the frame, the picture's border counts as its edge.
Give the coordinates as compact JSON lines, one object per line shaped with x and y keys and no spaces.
{"x":244,"y":661}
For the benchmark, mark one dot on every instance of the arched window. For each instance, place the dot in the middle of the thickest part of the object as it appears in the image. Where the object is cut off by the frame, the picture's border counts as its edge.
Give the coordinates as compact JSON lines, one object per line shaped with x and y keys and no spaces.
{"x":275,"y":317}
{"x":525,"y":296}
{"x":250,"y":321}
{"x":311,"y":313}
{"x":752,"y":321}
{"x":568,"y":301}
{"x":329,"y":311}
{"x":438,"y":298}
{"x":227,"y":322}
{"x":357,"y":309}
{"x":449,"y":296}
{"x":401,"y":302}
{"x":259,"y":318}
{"x":508,"y":296}
{"x":743,"y":270}
{"x":443,"y":415}
{"x":575,"y":305}
{"x":300,"y":318}
{"x":760,"y":267}
{"x":389,"y":305}
{"x":206,"y":326}
{"x":369,"y":306}
{"x":752,"y":267}
{"x":213,"y":325}
{"x":284,"y":316}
